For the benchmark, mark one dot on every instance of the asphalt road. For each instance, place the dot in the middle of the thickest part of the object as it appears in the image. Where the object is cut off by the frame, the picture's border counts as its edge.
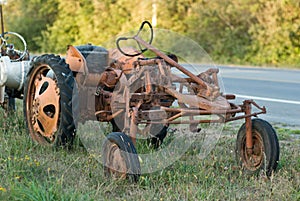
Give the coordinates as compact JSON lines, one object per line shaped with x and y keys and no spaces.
{"x":277,"y":89}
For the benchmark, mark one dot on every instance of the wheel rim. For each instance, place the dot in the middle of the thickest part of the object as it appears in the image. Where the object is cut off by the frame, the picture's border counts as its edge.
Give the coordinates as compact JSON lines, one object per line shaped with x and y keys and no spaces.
{"x":43,"y":104}
{"x":115,"y":164}
{"x":254,"y":160}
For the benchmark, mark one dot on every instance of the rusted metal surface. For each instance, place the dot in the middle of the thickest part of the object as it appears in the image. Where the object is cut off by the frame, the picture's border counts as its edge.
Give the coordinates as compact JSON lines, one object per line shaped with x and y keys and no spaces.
{"x":157,"y":91}
{"x":253,"y":158}
{"x":206,"y":90}
{"x":44,"y":121}
{"x":138,"y":90}
{"x":76,"y":60}
{"x":164,"y":95}
{"x":133,"y":125}
{"x":138,"y":95}
{"x":249,"y":142}
{"x":122,"y":62}
{"x":43,"y":104}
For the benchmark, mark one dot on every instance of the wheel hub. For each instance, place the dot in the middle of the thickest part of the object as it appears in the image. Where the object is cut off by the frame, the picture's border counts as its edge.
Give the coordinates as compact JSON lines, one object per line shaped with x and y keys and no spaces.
{"x":117,"y":166}
{"x":45,"y":106}
{"x":253,"y":160}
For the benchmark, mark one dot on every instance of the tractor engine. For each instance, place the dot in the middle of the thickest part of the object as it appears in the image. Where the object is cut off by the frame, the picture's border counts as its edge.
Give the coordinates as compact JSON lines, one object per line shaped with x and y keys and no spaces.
{"x":97,"y":72}
{"x":117,"y":73}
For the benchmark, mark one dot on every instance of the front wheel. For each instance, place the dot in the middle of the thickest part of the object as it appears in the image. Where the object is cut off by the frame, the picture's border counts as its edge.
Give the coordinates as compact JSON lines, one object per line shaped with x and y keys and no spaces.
{"x":48,"y":101}
{"x":120,"y":158}
{"x":265,"y":154}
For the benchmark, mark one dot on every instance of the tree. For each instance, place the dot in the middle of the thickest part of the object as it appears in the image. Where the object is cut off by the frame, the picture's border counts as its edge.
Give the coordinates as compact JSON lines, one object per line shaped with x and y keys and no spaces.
{"x":29,"y":18}
{"x":241,"y":32}
{"x":86,"y":21}
{"x":275,"y":33}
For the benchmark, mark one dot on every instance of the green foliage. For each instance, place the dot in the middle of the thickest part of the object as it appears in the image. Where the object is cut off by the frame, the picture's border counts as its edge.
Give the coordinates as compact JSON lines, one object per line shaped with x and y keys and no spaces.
{"x":260,"y":32}
{"x":275,"y":37}
{"x":30,"y":18}
{"x":222,"y":29}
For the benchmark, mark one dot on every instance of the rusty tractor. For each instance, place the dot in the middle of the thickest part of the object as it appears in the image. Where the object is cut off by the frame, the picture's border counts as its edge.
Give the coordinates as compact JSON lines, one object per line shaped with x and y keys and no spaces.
{"x":127,"y":89}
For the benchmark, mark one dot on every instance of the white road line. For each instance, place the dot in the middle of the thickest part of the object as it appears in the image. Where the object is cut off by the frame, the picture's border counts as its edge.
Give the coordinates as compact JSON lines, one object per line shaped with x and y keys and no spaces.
{"x":259,"y":79}
{"x":268,"y":99}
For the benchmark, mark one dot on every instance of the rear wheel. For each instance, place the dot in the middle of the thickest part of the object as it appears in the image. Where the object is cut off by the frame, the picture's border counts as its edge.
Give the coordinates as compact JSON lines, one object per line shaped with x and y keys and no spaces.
{"x":48,"y":101}
{"x":120,"y":158}
{"x":265,"y":154}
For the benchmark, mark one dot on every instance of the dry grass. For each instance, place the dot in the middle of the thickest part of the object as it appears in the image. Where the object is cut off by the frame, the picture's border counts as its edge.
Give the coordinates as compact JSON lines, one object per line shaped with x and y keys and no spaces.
{"x":32,"y":172}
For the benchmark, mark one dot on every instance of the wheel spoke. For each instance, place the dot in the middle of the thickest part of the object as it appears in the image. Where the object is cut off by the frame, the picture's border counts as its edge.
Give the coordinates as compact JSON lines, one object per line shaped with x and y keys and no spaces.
{"x":37,"y":127}
{"x":46,"y":102}
{"x":49,"y":124}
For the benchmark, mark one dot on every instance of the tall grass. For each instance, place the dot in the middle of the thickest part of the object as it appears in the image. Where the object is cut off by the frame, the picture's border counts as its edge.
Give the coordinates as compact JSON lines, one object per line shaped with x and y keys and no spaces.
{"x":32,"y":172}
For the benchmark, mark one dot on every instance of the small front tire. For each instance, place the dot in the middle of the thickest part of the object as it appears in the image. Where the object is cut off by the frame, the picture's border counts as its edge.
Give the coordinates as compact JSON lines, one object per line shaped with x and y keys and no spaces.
{"x":265,"y":154}
{"x":120,"y":158}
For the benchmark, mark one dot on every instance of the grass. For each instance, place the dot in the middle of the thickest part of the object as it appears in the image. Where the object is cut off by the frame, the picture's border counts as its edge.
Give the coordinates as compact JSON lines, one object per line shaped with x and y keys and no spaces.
{"x":32,"y":172}
{"x":287,"y":133}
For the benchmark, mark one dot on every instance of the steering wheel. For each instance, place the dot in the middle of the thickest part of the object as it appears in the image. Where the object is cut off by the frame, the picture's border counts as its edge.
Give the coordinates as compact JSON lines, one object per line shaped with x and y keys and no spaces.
{"x":133,"y":38}
{"x":13,"y":45}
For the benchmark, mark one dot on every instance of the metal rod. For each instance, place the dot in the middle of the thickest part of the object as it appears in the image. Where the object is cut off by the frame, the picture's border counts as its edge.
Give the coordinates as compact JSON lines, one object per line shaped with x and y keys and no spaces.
{"x":175,"y":117}
{"x":220,"y":120}
{"x":249,"y":141}
{"x":148,"y":82}
{"x":172,"y":62}
{"x":202,"y":112}
{"x":2,"y":23}
{"x":2,"y":27}
{"x":133,"y":125}
{"x":244,"y":116}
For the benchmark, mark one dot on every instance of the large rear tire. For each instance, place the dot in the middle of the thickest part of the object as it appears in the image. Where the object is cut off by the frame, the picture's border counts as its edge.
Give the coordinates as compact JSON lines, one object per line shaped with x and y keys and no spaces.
{"x":265,"y":154}
{"x":48,"y":101}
